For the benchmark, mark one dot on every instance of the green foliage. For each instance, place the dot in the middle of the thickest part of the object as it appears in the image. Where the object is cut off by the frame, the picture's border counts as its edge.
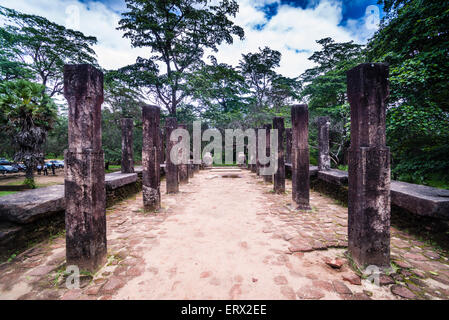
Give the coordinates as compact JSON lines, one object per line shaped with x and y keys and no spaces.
{"x":27,"y":115}
{"x":324,"y":88}
{"x":177,"y":32}
{"x":30,"y":183}
{"x":270,"y":93}
{"x":220,"y":89}
{"x":5,"y":193}
{"x":57,"y":140}
{"x":418,"y":141}
{"x":45,"y":46}
{"x":413,"y":39}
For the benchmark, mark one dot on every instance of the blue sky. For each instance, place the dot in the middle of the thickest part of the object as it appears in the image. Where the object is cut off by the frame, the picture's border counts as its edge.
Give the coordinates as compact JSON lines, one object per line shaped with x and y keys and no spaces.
{"x":290,"y":26}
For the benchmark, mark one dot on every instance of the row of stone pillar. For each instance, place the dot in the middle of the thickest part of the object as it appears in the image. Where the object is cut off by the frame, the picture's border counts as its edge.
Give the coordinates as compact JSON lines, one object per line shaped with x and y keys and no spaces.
{"x":153,"y":156}
{"x":369,"y":168}
{"x":369,"y":163}
{"x":85,"y":193}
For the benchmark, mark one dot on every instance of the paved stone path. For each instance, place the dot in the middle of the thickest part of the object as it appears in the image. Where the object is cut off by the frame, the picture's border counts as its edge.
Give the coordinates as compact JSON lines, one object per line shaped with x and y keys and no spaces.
{"x":228,"y":238}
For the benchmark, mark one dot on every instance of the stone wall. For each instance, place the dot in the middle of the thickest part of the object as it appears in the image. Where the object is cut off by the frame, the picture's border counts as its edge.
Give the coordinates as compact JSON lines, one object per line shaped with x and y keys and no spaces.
{"x":30,"y":216}
{"x":414,"y":199}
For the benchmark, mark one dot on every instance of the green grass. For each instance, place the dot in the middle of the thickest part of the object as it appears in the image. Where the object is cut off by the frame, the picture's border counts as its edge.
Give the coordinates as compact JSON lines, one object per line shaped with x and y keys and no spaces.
{"x":437,"y":183}
{"x":5,"y":193}
{"x":113,"y":168}
{"x":225,"y":165}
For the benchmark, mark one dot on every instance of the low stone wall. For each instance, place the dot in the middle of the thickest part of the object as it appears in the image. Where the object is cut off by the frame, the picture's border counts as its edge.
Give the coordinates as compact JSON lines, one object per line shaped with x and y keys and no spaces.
{"x":415,"y":199}
{"x":32,"y":215}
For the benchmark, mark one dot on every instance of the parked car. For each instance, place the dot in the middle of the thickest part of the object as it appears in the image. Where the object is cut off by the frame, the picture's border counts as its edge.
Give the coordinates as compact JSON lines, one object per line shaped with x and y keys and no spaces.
{"x":58,"y":163}
{"x":4,"y":162}
{"x":8,"y":169}
{"x":19,"y":166}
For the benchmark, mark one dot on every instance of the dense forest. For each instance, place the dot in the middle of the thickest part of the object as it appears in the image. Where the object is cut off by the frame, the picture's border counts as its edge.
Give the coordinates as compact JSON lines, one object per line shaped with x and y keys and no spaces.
{"x":413,"y":39}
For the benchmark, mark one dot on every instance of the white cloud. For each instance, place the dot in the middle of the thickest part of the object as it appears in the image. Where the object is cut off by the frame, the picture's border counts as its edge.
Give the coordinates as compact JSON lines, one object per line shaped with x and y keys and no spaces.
{"x":95,"y":19}
{"x":291,"y":28}
{"x":292,"y":31}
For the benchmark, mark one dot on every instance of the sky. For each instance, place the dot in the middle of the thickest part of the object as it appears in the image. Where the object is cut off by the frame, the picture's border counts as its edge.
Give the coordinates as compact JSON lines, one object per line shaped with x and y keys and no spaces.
{"x":289,"y":26}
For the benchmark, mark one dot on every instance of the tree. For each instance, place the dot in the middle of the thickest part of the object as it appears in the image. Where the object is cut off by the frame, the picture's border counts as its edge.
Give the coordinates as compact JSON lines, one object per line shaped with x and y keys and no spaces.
{"x":121,"y":99}
{"x":221,"y":91}
{"x":413,"y":39}
{"x":27,"y":115}
{"x":44,"y":47}
{"x":177,"y":32}
{"x":258,"y":70}
{"x":324,"y":89}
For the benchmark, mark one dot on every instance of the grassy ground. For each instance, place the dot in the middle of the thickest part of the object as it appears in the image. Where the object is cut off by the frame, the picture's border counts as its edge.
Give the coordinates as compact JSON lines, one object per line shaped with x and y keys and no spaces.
{"x":225,"y":165}
{"x":435,"y":181}
{"x":113,"y":168}
{"x":5,"y":193}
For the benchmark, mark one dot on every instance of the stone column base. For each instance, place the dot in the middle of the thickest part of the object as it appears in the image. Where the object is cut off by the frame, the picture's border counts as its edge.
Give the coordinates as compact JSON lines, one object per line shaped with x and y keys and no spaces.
{"x":151,"y":198}
{"x":85,"y":216}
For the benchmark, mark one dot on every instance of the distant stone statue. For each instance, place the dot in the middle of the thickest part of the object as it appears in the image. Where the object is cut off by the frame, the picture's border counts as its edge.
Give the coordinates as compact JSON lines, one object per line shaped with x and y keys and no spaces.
{"x":241,"y":159}
{"x":208,"y":159}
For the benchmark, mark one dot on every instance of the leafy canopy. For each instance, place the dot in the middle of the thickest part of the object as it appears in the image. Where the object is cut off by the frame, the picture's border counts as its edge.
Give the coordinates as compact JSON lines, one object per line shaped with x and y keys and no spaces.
{"x":177,"y":32}
{"x":43,"y":47}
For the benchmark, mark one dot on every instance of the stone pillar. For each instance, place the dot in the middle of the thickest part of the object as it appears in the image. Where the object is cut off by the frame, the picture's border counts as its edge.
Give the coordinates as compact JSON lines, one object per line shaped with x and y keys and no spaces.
{"x":191,"y":170}
{"x":257,"y":153}
{"x":161,"y":147}
{"x":183,"y":168}
{"x":267,"y":127}
{"x":253,"y":166}
{"x":288,"y":145}
{"x":300,"y":156}
{"x":369,"y":166}
{"x":324,"y":160}
{"x":279,"y":177}
{"x":85,"y":194}
{"x":171,"y":170}
{"x":127,"y":125}
{"x":151,"y":173}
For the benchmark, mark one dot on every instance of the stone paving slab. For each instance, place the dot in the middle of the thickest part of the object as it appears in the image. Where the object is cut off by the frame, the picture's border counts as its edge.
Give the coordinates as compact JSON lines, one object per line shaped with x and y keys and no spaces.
{"x":420,"y":271}
{"x":421,"y":200}
{"x":117,"y":179}
{"x":334,"y":176}
{"x":31,"y":205}
{"x":274,"y":252}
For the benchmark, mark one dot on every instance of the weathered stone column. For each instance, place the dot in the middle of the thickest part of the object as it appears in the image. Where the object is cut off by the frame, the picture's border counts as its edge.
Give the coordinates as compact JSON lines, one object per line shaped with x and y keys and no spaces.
{"x":253,"y":166}
{"x":183,"y":168}
{"x":324,"y":161}
{"x":267,"y":127}
{"x":171,"y":170}
{"x":300,"y":156}
{"x":257,"y":153}
{"x":196,"y":167}
{"x":279,"y":177}
{"x":127,"y":125}
{"x":369,"y":166}
{"x":151,"y":173}
{"x":190,"y":169}
{"x":288,"y":145}
{"x":85,"y":194}
{"x":161,"y":147}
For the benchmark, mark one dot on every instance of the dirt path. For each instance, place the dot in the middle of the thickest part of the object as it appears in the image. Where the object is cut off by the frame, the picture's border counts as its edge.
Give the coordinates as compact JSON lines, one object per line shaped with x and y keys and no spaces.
{"x":220,"y":245}
{"x":227,"y":238}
